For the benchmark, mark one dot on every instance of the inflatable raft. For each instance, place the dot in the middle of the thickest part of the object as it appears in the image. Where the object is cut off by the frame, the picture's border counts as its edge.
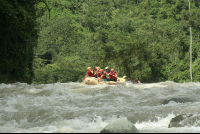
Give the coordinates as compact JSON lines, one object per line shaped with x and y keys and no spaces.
{"x":94,"y":81}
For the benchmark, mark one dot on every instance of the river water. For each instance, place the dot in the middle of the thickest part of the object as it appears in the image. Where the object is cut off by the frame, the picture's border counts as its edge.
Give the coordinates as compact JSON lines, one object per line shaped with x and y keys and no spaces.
{"x":46,"y":108}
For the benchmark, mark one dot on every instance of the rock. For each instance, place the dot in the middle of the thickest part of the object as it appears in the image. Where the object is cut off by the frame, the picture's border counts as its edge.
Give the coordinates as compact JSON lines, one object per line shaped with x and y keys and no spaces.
{"x":180,"y":117}
{"x":175,"y":121}
{"x":192,"y":121}
{"x":64,"y":130}
{"x":120,"y":126}
{"x":132,"y":119}
{"x":175,"y":124}
{"x":178,"y":100}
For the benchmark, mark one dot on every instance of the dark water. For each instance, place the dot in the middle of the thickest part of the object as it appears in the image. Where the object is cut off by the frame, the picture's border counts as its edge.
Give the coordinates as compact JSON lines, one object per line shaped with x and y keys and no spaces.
{"x":50,"y":107}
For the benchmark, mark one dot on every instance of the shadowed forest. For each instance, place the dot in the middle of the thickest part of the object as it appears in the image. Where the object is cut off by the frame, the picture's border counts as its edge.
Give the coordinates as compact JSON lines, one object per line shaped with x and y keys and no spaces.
{"x":48,"y":41}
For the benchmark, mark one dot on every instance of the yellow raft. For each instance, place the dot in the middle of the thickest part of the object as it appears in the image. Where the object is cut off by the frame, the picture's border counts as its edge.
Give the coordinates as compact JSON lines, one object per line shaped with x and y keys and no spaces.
{"x":93,"y":81}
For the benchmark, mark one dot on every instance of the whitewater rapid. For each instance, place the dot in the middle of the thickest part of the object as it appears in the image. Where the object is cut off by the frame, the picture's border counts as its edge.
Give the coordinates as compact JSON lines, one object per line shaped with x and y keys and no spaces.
{"x":46,"y":108}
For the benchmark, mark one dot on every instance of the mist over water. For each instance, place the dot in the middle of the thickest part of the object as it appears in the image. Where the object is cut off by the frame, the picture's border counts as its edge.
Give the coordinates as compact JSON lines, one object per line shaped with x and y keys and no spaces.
{"x":48,"y":107}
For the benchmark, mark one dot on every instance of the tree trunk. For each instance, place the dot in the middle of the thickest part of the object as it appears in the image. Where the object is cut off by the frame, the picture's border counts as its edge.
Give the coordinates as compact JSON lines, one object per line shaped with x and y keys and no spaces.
{"x":130,"y":67}
{"x":191,"y":53}
{"x":104,"y":19}
{"x":190,"y":46}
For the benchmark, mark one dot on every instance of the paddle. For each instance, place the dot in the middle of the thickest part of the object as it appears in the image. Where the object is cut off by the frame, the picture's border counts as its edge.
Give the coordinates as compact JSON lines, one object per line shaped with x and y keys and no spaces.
{"x":97,"y":76}
{"x":85,"y":77}
{"x":83,"y":80}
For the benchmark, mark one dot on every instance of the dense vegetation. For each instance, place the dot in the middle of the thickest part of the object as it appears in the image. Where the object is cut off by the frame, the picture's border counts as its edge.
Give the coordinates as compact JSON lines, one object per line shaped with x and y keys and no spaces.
{"x":148,"y":39}
{"x":18,"y":36}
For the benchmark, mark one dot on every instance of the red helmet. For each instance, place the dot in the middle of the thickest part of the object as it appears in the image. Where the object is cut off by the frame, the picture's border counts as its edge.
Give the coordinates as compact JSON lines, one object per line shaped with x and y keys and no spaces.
{"x":101,"y":70}
{"x":112,"y":69}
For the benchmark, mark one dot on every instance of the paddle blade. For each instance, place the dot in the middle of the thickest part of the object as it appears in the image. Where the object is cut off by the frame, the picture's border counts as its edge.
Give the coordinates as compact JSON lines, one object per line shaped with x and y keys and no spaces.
{"x":81,"y":83}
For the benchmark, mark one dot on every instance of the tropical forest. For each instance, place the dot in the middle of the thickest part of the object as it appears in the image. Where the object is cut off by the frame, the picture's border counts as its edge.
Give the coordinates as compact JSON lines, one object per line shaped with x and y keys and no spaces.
{"x":49,"y":41}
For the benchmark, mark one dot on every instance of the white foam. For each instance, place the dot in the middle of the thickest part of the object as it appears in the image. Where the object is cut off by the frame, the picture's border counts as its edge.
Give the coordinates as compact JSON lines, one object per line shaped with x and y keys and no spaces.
{"x":33,"y":90}
{"x":58,"y":102}
{"x":10,"y":109}
{"x":162,"y":122}
{"x":82,"y":124}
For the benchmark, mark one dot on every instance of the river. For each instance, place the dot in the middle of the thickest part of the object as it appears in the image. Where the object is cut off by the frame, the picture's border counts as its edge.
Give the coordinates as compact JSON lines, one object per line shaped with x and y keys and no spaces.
{"x":46,"y":108}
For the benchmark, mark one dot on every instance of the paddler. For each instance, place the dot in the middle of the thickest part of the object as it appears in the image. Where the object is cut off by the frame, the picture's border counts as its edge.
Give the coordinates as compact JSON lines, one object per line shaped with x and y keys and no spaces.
{"x":103,"y":75}
{"x":112,"y":75}
{"x":137,"y":81}
{"x":98,"y":73}
{"x":90,"y":72}
{"x":107,"y":70}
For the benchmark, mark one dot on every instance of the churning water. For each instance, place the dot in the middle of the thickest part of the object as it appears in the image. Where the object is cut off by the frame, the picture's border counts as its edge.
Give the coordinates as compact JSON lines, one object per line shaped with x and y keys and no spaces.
{"x":47,"y":108}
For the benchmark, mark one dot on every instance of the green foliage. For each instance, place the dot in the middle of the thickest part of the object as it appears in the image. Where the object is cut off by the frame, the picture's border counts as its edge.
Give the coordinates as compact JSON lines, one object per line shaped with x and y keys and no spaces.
{"x":138,"y":38}
{"x":145,"y":39}
{"x":64,"y":70}
{"x":18,"y":35}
